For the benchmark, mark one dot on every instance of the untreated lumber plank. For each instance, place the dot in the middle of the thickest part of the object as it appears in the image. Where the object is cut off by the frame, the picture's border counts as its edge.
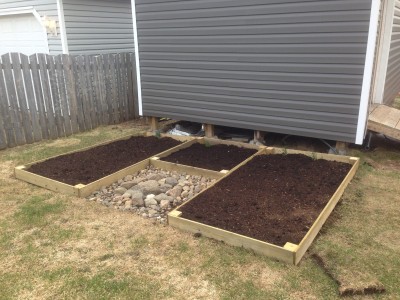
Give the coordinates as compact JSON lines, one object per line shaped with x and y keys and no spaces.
{"x":168,"y":166}
{"x":316,"y":227}
{"x":47,"y":183}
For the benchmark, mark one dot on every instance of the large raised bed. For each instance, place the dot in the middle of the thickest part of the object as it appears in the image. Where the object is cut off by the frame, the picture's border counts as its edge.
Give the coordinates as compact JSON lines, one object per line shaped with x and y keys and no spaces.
{"x":45,"y":173}
{"x":274,"y":203}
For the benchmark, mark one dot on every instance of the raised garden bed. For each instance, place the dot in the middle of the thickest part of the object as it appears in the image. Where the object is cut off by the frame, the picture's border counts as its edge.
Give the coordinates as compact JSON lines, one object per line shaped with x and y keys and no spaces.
{"x":82,"y":172}
{"x":212,"y":157}
{"x":273,"y":203}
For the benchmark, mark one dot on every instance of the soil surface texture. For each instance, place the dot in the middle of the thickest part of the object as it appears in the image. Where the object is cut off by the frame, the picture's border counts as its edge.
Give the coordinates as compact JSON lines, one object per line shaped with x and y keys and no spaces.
{"x":273,"y":198}
{"x":215,"y":157}
{"x":90,"y":165}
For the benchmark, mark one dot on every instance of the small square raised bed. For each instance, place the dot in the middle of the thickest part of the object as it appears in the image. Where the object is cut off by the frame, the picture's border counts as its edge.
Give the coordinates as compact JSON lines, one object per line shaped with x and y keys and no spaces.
{"x":274,"y":203}
{"x":84,"y":171}
{"x":206,"y":156}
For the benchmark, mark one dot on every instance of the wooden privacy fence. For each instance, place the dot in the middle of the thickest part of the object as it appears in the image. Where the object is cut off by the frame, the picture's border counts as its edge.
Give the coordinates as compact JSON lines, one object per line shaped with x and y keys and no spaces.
{"x":47,"y":97}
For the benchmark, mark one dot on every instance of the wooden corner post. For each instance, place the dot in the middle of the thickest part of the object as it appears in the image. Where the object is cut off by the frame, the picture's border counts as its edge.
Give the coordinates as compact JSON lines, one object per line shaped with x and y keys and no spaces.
{"x":209,"y":130}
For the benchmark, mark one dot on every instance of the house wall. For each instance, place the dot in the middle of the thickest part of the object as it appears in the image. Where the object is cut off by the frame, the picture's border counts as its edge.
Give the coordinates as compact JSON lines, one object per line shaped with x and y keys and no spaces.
{"x":98,"y":26}
{"x":287,"y":66}
{"x":44,"y":8}
{"x":392,"y":83}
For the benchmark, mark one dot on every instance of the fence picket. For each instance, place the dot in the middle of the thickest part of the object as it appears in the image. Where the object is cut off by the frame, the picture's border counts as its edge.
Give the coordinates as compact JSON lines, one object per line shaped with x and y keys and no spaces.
{"x":62,"y":95}
{"x":102,"y":89}
{"x":107,"y":81}
{"x":84,"y":91}
{"x":55,"y":92}
{"x":44,"y":96}
{"x":70,"y":91}
{"x":33,"y":62}
{"x":7,"y":138}
{"x":30,"y":97}
{"x":79,"y":96}
{"x":48,"y":105}
{"x":23,"y":106}
{"x":13,"y":101}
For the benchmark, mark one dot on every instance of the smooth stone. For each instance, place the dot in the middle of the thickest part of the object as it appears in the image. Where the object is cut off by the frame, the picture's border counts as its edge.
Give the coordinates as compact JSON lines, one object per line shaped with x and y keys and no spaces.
{"x":127,"y":184}
{"x":186,"y":188}
{"x":184,"y":194}
{"x":136,"y":195}
{"x":155,"y":177}
{"x":161,"y":197}
{"x":165,"y":187}
{"x":171,"y":181}
{"x":137,"y":202}
{"x":149,"y":202}
{"x":164,"y":204}
{"x":128,"y":204}
{"x":120,"y":191}
{"x":149,"y":187}
{"x":176,"y":191}
{"x":127,"y":195}
{"x":128,"y":178}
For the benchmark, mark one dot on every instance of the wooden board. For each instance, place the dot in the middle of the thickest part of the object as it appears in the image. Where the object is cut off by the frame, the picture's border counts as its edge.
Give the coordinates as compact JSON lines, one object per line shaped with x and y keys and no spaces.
{"x":168,"y":166}
{"x":86,"y":190}
{"x":316,"y":227}
{"x":385,"y":120}
{"x":290,"y":253}
{"x":47,"y":183}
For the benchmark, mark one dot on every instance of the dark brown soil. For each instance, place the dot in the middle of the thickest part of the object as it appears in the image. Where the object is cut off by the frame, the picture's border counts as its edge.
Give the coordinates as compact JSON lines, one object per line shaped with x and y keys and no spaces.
{"x":216,"y":157}
{"x":273,"y":198}
{"x":93,"y":164}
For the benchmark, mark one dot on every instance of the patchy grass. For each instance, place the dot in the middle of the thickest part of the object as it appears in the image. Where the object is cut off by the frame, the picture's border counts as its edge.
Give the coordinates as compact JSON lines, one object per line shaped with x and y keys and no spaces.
{"x":54,"y":246}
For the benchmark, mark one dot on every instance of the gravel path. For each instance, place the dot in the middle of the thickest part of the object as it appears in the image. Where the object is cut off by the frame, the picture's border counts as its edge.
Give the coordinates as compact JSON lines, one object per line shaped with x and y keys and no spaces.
{"x":151,"y":192}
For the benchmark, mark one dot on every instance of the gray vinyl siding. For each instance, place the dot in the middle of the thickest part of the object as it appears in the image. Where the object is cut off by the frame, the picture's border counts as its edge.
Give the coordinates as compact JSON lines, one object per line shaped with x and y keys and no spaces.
{"x":98,"y":26}
{"x":44,"y":8}
{"x":286,"y":66}
{"x":392,"y":83}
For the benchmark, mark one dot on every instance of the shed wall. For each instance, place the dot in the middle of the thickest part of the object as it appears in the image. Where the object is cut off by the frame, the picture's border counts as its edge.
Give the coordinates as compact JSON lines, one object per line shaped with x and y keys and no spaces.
{"x":392,"y":83}
{"x":98,"y":26}
{"x":287,"y":66}
{"x":44,"y":8}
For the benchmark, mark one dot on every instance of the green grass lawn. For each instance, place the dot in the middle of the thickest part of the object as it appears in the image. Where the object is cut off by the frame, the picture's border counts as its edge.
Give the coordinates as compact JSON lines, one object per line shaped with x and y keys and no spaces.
{"x":54,"y":246}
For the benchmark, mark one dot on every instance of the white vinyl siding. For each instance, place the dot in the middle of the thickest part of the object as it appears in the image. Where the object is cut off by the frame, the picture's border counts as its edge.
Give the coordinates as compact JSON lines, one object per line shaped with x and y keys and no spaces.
{"x":44,"y":8}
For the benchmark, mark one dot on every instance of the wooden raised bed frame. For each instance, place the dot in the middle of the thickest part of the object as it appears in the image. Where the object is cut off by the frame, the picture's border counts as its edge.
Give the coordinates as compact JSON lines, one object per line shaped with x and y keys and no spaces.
{"x":84,"y":190}
{"x":290,"y":253}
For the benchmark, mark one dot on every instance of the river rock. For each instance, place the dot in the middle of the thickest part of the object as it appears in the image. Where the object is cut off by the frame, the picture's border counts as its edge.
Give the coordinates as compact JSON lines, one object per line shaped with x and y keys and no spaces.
{"x":171,"y":181}
{"x":149,"y":187}
{"x":163,"y":196}
{"x":164,"y":204}
{"x":149,"y":202}
{"x":120,"y":191}
{"x":128,"y":204}
{"x":127,"y":195}
{"x":176,"y":191}
{"x":128,"y":184}
{"x":155,"y":177}
{"x":165,"y":187}
{"x":128,"y":178}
